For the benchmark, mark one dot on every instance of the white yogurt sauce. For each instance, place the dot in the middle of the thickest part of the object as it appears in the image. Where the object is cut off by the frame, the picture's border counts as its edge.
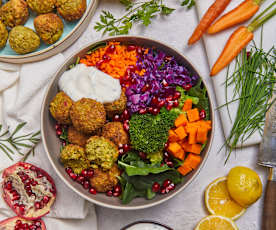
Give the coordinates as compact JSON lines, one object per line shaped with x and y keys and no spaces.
{"x":89,"y":82}
{"x":146,"y":226}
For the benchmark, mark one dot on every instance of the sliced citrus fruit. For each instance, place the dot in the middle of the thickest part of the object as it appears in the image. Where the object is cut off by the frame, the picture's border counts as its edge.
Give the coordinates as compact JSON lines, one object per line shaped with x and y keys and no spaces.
{"x":216,"y":222}
{"x":219,"y":202}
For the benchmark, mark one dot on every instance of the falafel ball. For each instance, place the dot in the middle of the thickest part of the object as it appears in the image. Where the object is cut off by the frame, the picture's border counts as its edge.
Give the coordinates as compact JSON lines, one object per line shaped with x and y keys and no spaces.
{"x":23,"y":40}
{"x":71,"y":10}
{"x":3,"y":35}
{"x":116,"y":107}
{"x":87,"y":115}
{"x":49,"y":27}
{"x":104,"y":181}
{"x":76,"y":137}
{"x":14,"y":13}
{"x":73,"y":156}
{"x":42,"y":6}
{"x":60,"y":108}
{"x":101,"y":152}
{"x":115,"y":132}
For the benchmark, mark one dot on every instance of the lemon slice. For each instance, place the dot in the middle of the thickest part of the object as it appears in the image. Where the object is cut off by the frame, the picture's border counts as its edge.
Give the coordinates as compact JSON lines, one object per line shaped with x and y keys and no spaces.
{"x":216,"y":222}
{"x":219,"y":202}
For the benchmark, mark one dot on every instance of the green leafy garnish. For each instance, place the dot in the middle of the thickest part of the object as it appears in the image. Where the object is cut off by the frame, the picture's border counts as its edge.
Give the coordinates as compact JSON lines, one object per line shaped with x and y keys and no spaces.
{"x":149,"y":133}
{"x":137,"y":11}
{"x":10,"y":143}
{"x":188,"y":3}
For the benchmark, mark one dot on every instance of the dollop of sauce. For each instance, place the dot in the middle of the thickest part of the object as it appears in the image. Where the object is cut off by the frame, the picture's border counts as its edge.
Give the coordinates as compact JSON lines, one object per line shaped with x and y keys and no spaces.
{"x":89,"y":82}
{"x":146,"y":226}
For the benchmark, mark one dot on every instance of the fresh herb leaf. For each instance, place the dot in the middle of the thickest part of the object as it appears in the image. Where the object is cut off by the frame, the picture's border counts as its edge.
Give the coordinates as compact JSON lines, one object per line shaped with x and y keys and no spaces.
{"x":188,"y":3}
{"x":136,"y":12}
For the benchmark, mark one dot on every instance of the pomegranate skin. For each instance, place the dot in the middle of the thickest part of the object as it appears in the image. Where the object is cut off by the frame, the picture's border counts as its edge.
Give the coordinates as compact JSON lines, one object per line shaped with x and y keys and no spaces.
{"x":31,"y":213}
{"x":10,"y":223}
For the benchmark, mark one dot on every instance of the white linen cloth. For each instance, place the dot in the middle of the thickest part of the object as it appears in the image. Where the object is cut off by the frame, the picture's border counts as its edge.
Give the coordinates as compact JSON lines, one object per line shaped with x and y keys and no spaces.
{"x":23,"y":88}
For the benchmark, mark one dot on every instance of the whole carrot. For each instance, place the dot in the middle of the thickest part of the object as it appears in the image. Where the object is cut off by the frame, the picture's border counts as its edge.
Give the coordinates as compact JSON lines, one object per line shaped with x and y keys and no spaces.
{"x":239,"y":39}
{"x":241,"y":13}
{"x":212,"y":13}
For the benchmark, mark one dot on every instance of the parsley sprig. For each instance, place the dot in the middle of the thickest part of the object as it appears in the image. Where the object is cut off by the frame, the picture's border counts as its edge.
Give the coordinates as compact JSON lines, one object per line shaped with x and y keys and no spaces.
{"x":11,"y":143}
{"x":136,"y":11}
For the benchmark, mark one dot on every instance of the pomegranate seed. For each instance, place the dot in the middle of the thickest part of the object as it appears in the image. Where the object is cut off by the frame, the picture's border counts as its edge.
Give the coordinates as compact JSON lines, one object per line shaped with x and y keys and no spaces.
{"x":139,"y":50}
{"x":14,"y":193}
{"x":155,"y":100}
{"x":142,"y":155}
{"x":39,"y":175}
{"x":80,"y":179}
{"x":86,"y":184}
{"x":163,"y":190}
{"x":106,"y":57}
{"x":187,"y":87}
{"x":116,"y":117}
{"x":155,"y":111}
{"x":132,"y":68}
{"x":110,"y":49}
{"x":166,"y":145}
{"x":145,"y":88}
{"x":175,"y":103}
{"x":33,"y":168}
{"x":34,"y":183}
{"x":120,"y":146}
{"x":131,"y":48}
{"x":155,"y":187}
{"x":59,"y":132}
{"x":90,"y":173}
{"x":109,"y":193}
{"x":126,"y":126}
{"x":126,"y":114}
{"x":22,"y":208}
{"x":166,"y":154}
{"x":171,"y":187}
{"x":18,"y":222}
{"x":73,"y":176}
{"x":117,"y":188}
{"x":37,"y":205}
{"x":84,"y":172}
{"x":46,"y":199}
{"x":165,"y":83}
{"x":16,"y":198}
{"x":161,"y":104}
{"x":121,"y":152}
{"x":24,"y":178}
{"x":99,"y":63}
{"x":92,"y":191}
{"x":116,"y":194}
{"x":150,"y":109}
{"x":170,"y":164}
{"x":8,"y":185}
{"x":142,"y":111}
{"x":176,"y":95}
{"x":126,"y":147}
{"x":169,"y":107}
{"x":25,"y":226}
{"x":202,"y":114}
{"x":37,"y":223}
{"x":166,"y":183}
{"x":169,"y":99}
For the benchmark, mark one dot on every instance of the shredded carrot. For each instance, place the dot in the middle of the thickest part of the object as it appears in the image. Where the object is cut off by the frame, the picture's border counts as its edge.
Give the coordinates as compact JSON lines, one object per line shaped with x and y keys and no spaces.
{"x":118,"y":62}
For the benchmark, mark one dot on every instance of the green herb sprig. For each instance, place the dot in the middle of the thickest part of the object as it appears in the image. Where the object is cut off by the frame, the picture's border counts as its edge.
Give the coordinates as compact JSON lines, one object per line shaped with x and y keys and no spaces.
{"x":188,"y":3}
{"x":10,"y":143}
{"x":136,"y":11}
{"x":253,"y":80}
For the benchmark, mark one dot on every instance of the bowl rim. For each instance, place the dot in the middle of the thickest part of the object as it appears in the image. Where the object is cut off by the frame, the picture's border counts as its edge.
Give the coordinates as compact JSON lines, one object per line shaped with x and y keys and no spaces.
{"x":146,"y":222}
{"x":103,"y":204}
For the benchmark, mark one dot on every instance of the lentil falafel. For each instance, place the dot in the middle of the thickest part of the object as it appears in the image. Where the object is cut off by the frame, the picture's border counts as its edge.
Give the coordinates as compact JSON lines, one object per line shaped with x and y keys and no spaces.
{"x":14,"y":13}
{"x":71,"y":10}
{"x":115,"y":132}
{"x":116,"y":107}
{"x":23,"y":40}
{"x":87,"y":115}
{"x":73,"y":156}
{"x":60,"y":108}
{"x":101,"y":152}
{"x":3,"y":35}
{"x":103,"y":181}
{"x":49,"y":27}
{"x":76,"y":137}
{"x":42,"y":6}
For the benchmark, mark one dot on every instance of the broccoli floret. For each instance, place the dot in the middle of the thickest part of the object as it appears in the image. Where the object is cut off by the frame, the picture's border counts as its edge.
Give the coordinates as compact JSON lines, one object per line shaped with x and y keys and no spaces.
{"x":149,"y":133}
{"x":184,"y":97}
{"x":156,"y":157}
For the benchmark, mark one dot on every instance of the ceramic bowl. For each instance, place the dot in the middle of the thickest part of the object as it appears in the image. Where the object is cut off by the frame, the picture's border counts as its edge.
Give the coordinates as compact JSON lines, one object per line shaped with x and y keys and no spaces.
{"x":52,"y":143}
{"x":143,"y":223}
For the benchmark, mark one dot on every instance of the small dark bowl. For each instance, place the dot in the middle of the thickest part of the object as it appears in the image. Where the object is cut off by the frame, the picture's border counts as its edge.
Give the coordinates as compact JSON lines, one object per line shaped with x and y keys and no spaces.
{"x":52,"y":143}
{"x":146,"y":222}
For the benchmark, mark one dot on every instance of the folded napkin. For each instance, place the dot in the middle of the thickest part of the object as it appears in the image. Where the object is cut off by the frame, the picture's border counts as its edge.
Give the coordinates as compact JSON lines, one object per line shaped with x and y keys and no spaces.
{"x":214,"y":45}
{"x":23,"y":88}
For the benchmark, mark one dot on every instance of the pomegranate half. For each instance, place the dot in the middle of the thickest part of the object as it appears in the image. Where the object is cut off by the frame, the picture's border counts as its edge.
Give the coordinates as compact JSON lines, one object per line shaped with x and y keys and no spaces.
{"x":28,"y":190}
{"x":18,"y":223}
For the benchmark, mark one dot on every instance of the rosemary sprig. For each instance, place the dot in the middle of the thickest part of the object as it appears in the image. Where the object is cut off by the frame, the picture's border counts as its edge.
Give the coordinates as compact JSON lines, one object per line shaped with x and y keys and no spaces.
{"x":136,"y":11}
{"x":188,"y":3}
{"x":253,"y":80}
{"x":10,"y":143}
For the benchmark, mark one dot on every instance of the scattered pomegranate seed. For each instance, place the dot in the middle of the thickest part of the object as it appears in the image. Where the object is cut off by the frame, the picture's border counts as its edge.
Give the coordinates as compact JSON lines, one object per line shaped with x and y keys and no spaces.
{"x":90,"y":173}
{"x":145,"y":88}
{"x":106,"y":57}
{"x":131,"y":48}
{"x":150,"y":109}
{"x":175,"y":103}
{"x":84,"y":172}
{"x":80,"y":179}
{"x":73,"y":176}
{"x":169,"y":107}
{"x":176,"y":95}
{"x":171,"y":187}
{"x":125,"y":115}
{"x":99,"y":63}
{"x":161,"y":104}
{"x":155,"y":111}
{"x":8,"y":185}
{"x":139,"y":50}
{"x":155,"y":187}
{"x":117,"y":189}
{"x":121,"y":152}
{"x":126,"y":126}
{"x":86,"y":184}
{"x":163,"y":190}
{"x":155,"y":100}
{"x":116,"y":194}
{"x":110,"y":49}
{"x":59,"y":132}
{"x":187,"y":87}
{"x":202,"y":114}
{"x":126,"y":147}
{"x":169,"y":99}
{"x":165,"y":83}
{"x":109,"y":193}
{"x":17,"y":197}
{"x":170,"y":164}
{"x":142,"y":111}
{"x":46,"y":199}
{"x":166,"y":183}
{"x":68,"y":170}
{"x":92,"y":191}
{"x":166,"y":145}
{"x":37,"y":205}
{"x":116,"y":117}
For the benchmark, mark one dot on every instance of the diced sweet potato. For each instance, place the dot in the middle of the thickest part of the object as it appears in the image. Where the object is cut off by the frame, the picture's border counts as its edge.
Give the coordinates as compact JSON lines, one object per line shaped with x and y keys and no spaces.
{"x":180,"y":132}
{"x":187,"y":105}
{"x":181,"y":120}
{"x":173,"y":137}
{"x":184,"y":169}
